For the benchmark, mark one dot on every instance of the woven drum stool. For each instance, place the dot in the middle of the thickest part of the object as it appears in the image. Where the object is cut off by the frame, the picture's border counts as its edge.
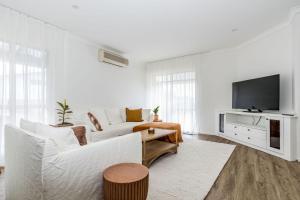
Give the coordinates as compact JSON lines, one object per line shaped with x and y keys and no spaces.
{"x":126,"y":181}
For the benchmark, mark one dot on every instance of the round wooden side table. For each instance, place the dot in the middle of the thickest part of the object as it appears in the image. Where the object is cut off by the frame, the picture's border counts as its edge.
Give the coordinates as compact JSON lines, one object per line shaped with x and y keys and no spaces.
{"x":126,"y":181}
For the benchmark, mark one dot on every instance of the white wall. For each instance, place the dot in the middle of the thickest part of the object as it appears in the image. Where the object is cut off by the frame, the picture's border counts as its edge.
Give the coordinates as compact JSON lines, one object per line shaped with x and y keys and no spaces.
{"x":270,"y":53}
{"x":89,"y":83}
{"x":216,"y":72}
{"x":296,"y":60}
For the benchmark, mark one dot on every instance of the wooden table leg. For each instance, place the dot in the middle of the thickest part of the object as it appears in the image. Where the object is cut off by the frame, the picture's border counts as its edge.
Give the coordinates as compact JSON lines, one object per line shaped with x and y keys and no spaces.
{"x":144,"y":152}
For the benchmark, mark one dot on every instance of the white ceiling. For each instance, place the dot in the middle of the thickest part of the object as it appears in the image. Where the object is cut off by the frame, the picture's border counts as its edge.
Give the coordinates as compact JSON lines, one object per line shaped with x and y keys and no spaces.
{"x":158,"y":29}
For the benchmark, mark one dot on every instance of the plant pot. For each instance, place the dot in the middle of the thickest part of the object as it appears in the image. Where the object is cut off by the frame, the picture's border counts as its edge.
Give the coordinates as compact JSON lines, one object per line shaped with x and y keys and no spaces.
{"x":156,"y":117}
{"x":66,"y":124}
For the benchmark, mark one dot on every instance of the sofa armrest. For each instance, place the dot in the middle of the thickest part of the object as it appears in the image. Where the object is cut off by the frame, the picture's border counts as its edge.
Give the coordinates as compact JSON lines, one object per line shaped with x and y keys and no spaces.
{"x":77,"y":174}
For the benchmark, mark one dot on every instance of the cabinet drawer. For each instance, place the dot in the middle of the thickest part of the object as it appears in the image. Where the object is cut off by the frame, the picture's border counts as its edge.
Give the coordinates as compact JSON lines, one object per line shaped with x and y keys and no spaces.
{"x":240,"y":136}
{"x":252,"y":130}
{"x":260,"y":142}
{"x":257,"y":139}
{"x":231,"y":127}
{"x":231,"y":130}
{"x":259,"y":132}
{"x":252,"y":136}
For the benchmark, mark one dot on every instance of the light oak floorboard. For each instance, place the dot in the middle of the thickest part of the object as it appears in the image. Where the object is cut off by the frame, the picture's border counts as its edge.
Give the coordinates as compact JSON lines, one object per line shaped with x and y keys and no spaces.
{"x":250,"y":174}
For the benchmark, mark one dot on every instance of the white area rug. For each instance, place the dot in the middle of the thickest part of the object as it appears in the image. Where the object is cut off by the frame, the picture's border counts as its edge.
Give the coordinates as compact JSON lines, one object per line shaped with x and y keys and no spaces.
{"x":189,"y":174}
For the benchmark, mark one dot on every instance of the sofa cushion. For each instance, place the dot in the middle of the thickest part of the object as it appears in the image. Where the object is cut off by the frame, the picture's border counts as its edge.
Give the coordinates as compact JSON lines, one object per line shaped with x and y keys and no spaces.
{"x":113,"y":131}
{"x":113,"y":116}
{"x":80,"y":133}
{"x":28,"y":125}
{"x":134,"y":115}
{"x":101,"y":116}
{"x":63,"y":137}
{"x":123,"y":114}
{"x":146,"y":113}
{"x":94,"y":121}
{"x":80,"y":117}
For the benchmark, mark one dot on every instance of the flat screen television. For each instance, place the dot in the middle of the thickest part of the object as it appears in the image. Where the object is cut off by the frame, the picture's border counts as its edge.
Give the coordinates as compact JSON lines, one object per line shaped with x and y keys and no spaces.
{"x":260,"y":93}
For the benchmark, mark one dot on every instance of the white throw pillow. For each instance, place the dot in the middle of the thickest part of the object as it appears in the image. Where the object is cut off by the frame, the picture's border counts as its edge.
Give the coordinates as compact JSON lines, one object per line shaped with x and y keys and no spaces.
{"x":80,"y":117}
{"x":123,"y":114}
{"x":99,"y":113}
{"x":113,"y":116}
{"x":77,"y":116}
{"x":28,"y":125}
{"x":63,"y":137}
{"x":87,"y":122}
{"x":146,"y":114}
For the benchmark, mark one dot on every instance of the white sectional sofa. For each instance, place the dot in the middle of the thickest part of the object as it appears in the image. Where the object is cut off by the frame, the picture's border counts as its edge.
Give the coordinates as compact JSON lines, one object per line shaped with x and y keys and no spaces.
{"x":113,"y":122}
{"x":36,"y":169}
{"x":45,"y":163}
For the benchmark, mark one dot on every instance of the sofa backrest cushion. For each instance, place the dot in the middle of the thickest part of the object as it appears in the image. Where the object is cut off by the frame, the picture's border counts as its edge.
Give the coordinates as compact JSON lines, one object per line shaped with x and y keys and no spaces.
{"x":146,"y":113}
{"x":80,"y":117}
{"x":28,"y":125}
{"x":114,"y":116}
{"x":64,"y":137}
{"x":101,"y":116}
{"x":105,"y":117}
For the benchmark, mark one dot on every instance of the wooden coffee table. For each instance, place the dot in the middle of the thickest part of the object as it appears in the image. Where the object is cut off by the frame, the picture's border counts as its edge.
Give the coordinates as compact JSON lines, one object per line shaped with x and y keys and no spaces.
{"x":153,"y":148}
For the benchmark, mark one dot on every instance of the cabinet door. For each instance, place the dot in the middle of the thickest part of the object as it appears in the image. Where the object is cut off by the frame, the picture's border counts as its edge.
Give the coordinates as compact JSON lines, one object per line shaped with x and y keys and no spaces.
{"x":275,"y":134}
{"x":221,"y":122}
{"x":230,"y":129}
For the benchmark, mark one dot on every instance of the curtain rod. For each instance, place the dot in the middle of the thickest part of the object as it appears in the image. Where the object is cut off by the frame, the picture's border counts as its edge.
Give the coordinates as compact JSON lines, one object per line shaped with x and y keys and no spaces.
{"x":30,"y":16}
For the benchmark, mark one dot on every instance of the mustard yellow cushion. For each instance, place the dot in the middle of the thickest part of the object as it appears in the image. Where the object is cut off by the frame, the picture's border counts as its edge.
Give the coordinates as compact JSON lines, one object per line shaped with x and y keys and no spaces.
{"x":134,"y":115}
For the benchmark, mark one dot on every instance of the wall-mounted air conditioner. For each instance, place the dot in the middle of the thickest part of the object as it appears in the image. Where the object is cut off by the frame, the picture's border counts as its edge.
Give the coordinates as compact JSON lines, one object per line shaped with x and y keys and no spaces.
{"x":112,"y":58}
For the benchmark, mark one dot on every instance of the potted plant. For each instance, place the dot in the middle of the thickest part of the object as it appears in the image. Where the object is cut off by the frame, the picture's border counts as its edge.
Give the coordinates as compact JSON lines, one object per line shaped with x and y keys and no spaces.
{"x":63,"y":111}
{"x":155,"y":111}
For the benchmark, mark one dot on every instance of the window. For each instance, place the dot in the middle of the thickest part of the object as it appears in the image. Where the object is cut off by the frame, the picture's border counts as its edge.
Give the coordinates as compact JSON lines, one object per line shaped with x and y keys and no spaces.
{"x":22,"y":84}
{"x":175,"y":93}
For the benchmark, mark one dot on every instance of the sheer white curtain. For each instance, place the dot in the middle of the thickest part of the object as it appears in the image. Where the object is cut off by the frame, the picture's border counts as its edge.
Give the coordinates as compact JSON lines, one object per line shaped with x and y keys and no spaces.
{"x":172,"y":84}
{"x":29,"y":52}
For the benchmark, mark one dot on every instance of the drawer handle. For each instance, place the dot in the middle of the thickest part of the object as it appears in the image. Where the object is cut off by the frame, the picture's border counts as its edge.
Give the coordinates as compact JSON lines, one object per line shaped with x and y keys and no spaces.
{"x":248,"y":129}
{"x":249,"y":138}
{"x":235,"y":134}
{"x":234,"y":126}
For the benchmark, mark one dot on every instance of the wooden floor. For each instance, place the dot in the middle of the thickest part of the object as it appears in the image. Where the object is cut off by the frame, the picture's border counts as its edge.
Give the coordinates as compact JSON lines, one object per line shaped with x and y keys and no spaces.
{"x":250,"y":174}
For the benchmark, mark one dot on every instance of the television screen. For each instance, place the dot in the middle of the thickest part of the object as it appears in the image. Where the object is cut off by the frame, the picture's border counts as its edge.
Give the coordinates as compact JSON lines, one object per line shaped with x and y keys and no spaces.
{"x":260,"y":93}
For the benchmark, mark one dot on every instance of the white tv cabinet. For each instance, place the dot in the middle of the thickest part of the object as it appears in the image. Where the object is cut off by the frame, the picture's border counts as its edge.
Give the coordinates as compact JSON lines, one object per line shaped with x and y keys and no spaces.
{"x":272,"y":133}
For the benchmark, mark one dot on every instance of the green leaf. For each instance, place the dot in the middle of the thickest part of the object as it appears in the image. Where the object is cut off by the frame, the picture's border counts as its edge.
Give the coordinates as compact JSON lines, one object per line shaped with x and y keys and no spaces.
{"x":156,"y":109}
{"x":59,"y":103}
